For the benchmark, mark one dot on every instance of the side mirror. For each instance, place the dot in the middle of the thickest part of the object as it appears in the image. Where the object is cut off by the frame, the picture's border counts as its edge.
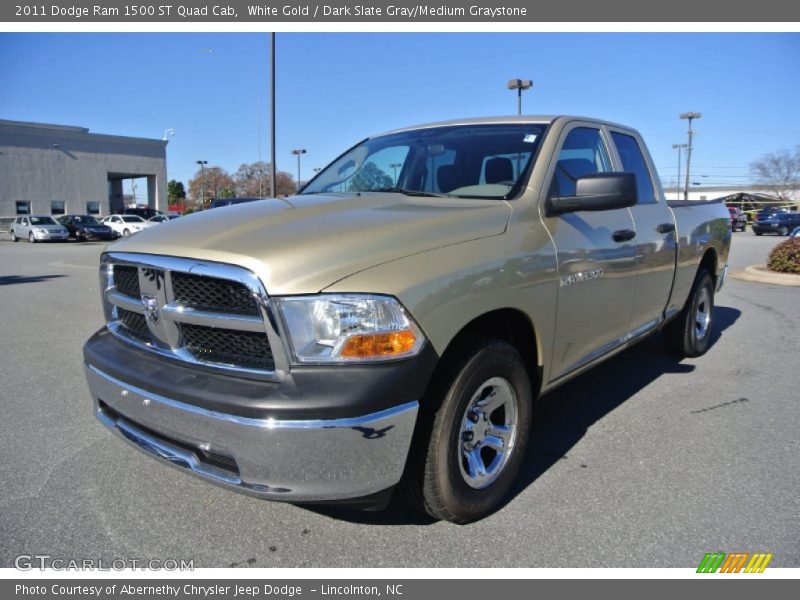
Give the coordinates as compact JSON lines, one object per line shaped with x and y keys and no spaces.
{"x":599,"y":191}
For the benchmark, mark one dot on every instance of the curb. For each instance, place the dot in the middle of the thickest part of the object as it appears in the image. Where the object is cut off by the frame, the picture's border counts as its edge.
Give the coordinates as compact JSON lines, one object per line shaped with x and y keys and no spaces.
{"x":760,"y":274}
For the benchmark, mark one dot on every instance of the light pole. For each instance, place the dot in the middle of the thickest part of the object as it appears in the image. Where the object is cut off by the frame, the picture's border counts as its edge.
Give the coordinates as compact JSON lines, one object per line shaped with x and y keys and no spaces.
{"x":520,"y":85}
{"x":297,"y":152}
{"x":689,"y":116}
{"x":680,"y":147}
{"x":202,"y":164}
{"x":394,"y":167}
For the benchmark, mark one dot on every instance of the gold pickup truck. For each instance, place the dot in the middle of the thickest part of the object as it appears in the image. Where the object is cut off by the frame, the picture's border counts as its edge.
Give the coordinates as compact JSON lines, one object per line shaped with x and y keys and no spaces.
{"x":391,"y":325}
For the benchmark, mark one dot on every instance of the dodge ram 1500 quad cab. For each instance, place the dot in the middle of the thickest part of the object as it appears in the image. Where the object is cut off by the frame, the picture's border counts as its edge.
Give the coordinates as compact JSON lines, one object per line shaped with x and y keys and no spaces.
{"x":391,"y":325}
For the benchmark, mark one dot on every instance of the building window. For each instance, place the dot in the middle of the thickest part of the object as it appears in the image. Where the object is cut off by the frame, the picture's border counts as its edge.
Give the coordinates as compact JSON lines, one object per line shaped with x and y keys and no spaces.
{"x":92,"y":208}
{"x":23,"y":208}
{"x":58,"y":207}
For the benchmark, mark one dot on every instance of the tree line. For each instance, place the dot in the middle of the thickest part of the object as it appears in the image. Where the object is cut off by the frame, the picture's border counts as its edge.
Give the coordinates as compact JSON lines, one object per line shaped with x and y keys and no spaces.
{"x":250,"y":180}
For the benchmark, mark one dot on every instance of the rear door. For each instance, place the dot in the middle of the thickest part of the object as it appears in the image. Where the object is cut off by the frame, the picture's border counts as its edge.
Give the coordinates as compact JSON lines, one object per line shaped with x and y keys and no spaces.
{"x":596,"y":273}
{"x":655,"y":233}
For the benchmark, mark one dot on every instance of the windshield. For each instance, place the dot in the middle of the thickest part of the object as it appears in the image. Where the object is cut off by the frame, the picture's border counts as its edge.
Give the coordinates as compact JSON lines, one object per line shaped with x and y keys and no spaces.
{"x":132,"y":219}
{"x":86,"y":220}
{"x":42,"y":221}
{"x":465,"y":161}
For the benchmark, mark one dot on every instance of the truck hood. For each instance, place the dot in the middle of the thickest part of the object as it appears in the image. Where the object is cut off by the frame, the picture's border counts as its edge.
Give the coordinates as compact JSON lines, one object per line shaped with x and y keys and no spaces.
{"x":305,"y":243}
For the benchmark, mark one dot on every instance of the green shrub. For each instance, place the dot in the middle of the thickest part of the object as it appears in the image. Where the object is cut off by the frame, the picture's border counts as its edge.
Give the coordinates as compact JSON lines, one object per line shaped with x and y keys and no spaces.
{"x":785,"y":257}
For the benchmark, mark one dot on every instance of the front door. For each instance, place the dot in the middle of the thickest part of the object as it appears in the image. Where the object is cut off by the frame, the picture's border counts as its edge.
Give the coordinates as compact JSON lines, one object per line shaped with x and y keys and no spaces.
{"x":596,"y":272}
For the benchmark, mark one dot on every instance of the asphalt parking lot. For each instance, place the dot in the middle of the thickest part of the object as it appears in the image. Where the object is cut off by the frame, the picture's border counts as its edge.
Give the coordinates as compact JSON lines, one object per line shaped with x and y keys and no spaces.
{"x":644,"y":462}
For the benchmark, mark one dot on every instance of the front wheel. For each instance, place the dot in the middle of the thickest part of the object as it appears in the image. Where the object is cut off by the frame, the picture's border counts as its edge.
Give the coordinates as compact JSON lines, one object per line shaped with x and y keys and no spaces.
{"x":468,"y":450}
{"x":31,"y":238}
{"x":689,"y":334}
{"x":757,"y":232}
{"x":784,"y":231}
{"x":14,"y":237}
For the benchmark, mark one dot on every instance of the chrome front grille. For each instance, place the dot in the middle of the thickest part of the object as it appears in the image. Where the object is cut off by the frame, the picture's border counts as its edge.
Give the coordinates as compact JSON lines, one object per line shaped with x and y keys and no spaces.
{"x":207,"y":314}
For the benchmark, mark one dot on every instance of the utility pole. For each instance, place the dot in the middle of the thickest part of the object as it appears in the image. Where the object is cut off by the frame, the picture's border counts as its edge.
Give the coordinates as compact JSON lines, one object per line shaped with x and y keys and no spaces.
{"x":272,"y":168}
{"x":202,"y":164}
{"x":680,"y":147}
{"x":298,"y":152}
{"x":689,"y":116}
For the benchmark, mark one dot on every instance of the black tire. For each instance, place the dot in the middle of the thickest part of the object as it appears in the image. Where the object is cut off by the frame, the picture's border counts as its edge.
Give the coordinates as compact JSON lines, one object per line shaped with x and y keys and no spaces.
{"x":126,"y":232}
{"x":435,"y":480}
{"x":14,"y":237}
{"x":784,"y":231}
{"x":683,"y":336}
{"x":31,"y":238}
{"x":757,"y":232}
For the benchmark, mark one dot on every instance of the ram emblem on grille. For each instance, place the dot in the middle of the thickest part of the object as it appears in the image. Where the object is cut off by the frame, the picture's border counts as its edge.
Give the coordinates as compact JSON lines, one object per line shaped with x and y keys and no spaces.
{"x":150,"y":305}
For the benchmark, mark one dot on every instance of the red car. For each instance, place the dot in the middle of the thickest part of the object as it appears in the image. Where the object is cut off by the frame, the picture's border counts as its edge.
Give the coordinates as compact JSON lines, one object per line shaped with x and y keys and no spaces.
{"x":738,"y":218}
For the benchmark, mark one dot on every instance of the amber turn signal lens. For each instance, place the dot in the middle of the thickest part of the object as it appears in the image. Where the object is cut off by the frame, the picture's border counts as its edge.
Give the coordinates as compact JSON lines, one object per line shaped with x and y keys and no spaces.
{"x":379,"y":344}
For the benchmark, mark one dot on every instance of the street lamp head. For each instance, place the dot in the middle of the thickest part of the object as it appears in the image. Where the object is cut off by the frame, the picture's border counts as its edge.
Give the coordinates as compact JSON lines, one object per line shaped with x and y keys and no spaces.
{"x":201,"y":162}
{"x":519,"y":84}
{"x":299,"y":151}
{"x":690,"y":115}
{"x":680,"y":145}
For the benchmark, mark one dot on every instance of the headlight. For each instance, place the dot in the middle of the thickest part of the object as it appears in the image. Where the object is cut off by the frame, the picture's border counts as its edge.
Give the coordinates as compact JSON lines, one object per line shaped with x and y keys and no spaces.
{"x":341,"y":328}
{"x":41,"y":230}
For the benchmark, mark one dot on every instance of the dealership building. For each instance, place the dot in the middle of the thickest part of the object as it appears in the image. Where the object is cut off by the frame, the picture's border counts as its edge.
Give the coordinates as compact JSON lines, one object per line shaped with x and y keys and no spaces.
{"x":60,"y":169}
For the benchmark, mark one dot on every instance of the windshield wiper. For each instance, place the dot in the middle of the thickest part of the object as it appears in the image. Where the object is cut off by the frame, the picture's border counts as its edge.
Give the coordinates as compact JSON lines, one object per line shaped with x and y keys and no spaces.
{"x":400,"y":190}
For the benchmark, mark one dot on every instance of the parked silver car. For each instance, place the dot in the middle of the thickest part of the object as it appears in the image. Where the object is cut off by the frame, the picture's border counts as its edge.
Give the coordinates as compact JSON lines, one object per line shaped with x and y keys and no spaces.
{"x":38,"y":228}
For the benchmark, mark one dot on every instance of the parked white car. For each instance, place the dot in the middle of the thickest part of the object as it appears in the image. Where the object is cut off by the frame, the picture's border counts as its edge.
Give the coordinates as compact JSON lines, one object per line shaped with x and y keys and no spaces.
{"x":38,"y":228}
{"x":162,"y":218}
{"x":126,"y":225}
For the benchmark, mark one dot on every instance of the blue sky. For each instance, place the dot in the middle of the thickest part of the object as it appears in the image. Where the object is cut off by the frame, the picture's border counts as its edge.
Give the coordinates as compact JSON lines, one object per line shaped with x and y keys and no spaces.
{"x":335,"y":89}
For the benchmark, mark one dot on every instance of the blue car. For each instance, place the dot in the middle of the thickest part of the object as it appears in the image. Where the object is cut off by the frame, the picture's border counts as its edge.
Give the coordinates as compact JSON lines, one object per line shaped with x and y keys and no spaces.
{"x":781,"y":223}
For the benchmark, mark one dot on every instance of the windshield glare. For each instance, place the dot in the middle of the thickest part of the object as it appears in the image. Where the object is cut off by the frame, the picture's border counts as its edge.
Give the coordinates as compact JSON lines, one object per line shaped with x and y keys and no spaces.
{"x":42,"y":221}
{"x":466,"y":161}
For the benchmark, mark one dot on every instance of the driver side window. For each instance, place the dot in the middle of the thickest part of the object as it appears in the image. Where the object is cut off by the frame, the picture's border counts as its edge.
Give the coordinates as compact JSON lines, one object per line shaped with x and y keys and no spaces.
{"x":582,"y":153}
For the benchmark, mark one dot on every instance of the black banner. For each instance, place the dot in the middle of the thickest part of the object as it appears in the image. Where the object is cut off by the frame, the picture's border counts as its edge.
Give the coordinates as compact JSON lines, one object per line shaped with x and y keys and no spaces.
{"x":731,"y":587}
{"x":408,"y":11}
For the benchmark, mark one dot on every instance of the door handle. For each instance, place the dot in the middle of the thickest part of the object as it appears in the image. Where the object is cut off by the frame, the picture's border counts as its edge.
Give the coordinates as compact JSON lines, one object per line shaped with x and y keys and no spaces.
{"x":666,"y":228}
{"x":623,"y":235}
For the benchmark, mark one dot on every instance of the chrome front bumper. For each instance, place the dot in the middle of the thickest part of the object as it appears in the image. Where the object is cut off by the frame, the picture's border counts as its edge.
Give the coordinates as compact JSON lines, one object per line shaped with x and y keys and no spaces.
{"x":290,"y":460}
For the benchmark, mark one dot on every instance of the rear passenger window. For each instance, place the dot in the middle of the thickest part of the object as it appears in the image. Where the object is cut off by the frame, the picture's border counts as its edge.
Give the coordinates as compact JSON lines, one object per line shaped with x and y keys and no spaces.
{"x":633,"y":162}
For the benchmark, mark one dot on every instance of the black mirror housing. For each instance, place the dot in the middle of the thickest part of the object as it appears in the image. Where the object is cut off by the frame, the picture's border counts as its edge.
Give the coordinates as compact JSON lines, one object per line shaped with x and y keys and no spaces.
{"x":599,"y":191}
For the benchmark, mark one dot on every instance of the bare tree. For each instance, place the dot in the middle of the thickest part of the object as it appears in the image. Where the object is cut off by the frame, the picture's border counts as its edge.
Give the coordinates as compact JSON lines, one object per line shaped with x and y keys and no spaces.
{"x":779,"y":172}
{"x":253,"y":179}
{"x":218,"y":184}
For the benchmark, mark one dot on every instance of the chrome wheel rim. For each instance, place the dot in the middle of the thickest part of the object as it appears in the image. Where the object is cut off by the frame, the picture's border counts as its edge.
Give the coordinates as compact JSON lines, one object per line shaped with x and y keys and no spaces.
{"x":702,"y":313}
{"x":488,"y":433}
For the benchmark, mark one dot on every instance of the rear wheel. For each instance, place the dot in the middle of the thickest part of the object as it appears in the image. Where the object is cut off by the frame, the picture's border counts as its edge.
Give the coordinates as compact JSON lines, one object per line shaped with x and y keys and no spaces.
{"x":126,"y":232}
{"x":469,"y":446}
{"x":688,"y":335}
{"x":784,"y":231}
